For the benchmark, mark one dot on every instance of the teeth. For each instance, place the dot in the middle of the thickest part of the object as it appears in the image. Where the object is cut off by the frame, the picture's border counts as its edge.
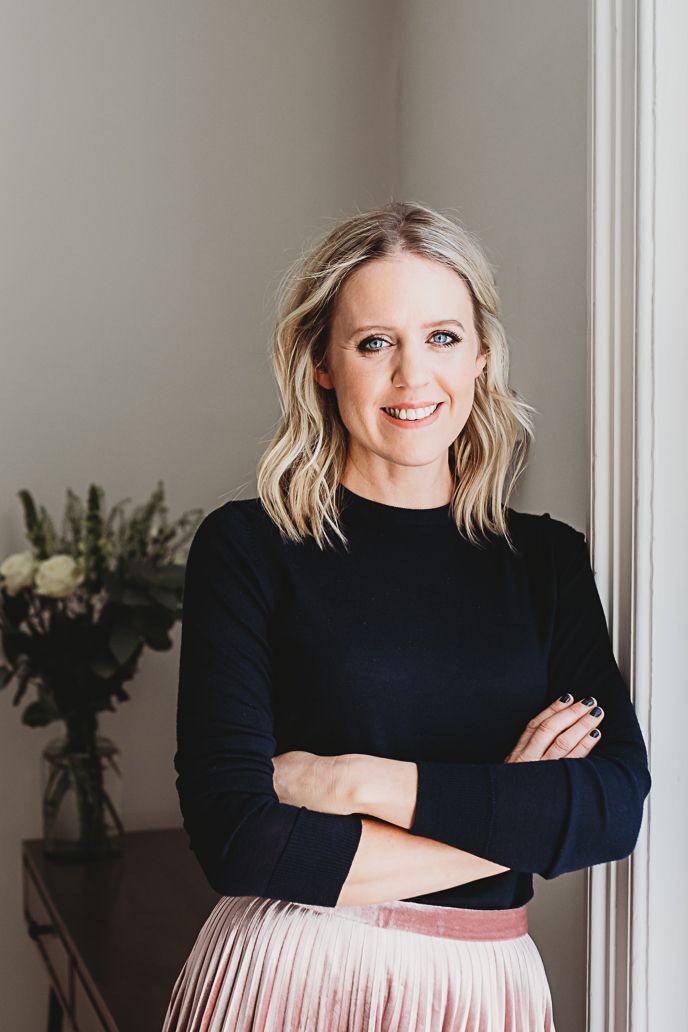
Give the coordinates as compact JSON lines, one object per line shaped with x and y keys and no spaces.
{"x":411,"y":414}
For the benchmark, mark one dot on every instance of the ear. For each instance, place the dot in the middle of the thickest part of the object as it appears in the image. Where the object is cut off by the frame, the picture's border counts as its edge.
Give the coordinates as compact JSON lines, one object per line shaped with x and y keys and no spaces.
{"x":323,"y":378}
{"x":480,"y":363}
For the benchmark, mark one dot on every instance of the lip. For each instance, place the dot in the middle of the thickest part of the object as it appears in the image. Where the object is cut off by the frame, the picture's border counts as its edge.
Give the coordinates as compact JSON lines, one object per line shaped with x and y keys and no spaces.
{"x":414,"y":404}
{"x":413,"y":424}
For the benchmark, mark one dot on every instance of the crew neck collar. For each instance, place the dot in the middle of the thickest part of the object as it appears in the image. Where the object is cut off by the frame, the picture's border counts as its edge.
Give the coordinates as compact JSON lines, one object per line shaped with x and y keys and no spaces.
{"x":380,"y":513}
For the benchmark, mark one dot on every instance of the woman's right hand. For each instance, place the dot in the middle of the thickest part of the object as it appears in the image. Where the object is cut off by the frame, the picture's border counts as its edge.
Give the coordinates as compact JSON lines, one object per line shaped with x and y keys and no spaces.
{"x":560,"y":731}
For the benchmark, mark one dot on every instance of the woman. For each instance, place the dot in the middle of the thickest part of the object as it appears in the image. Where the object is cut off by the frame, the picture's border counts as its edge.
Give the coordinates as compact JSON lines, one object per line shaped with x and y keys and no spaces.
{"x":362,"y":718}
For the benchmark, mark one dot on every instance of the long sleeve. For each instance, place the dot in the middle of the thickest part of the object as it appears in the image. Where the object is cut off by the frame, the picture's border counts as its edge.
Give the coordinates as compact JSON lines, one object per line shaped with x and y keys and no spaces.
{"x":552,"y":816}
{"x":246,"y":841}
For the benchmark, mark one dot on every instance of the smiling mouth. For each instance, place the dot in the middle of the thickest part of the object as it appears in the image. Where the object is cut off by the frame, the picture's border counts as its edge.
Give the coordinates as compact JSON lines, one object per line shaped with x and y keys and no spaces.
{"x":412,"y":416}
{"x":415,"y":412}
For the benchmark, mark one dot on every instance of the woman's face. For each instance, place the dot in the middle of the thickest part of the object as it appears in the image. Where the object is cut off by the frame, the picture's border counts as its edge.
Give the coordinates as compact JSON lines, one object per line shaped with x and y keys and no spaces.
{"x":402,"y":336}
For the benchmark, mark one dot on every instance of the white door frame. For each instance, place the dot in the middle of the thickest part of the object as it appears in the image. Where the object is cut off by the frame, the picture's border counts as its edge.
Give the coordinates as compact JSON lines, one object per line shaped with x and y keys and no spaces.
{"x":620,"y":519}
{"x":638,"y":382}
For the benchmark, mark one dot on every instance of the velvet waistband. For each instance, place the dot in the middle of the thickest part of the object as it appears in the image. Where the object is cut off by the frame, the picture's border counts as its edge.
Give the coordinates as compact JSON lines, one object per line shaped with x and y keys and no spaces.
{"x":428,"y":919}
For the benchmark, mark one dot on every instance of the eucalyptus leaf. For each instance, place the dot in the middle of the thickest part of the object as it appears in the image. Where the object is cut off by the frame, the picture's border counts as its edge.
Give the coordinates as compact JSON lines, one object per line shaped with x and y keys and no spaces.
{"x":141,"y":571}
{"x":23,"y":678}
{"x":123,"y":642}
{"x":166,"y":598}
{"x":135,"y":597}
{"x":151,"y":623}
{"x":160,"y":642}
{"x":40,"y":713}
{"x":171,"y":577}
{"x":103,"y":667}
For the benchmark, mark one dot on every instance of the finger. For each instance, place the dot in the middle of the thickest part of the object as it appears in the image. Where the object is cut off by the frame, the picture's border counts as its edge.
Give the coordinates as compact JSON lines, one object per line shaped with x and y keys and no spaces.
{"x":557,"y":706}
{"x":544,"y":729}
{"x":586,"y":744}
{"x":552,"y":729}
{"x":571,"y":737}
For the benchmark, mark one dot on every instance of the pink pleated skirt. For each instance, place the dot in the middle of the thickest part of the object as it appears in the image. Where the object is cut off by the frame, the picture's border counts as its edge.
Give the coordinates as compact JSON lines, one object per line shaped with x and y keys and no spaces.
{"x":277,"y":966}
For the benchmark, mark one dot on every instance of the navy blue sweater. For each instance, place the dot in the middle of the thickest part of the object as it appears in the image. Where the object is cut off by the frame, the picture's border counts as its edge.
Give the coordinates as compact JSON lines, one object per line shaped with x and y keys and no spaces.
{"x":413,"y":645}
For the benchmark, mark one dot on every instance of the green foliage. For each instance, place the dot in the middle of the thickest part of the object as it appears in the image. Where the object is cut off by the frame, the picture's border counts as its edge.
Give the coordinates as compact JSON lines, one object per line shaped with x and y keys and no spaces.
{"x":95,"y":544}
{"x":78,"y":651}
{"x":36,"y":531}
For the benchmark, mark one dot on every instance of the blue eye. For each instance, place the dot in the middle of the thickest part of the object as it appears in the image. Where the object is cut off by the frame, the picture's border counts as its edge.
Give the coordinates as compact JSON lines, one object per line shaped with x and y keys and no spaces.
{"x":367,"y":341}
{"x":453,"y":339}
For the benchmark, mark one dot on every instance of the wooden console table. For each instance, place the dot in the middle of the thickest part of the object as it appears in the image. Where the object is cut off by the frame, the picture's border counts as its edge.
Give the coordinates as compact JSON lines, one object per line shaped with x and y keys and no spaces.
{"x":114,"y":934}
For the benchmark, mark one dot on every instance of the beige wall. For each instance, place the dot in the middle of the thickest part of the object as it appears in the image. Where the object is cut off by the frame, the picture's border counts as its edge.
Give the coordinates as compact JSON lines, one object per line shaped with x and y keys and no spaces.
{"x":162,"y":163}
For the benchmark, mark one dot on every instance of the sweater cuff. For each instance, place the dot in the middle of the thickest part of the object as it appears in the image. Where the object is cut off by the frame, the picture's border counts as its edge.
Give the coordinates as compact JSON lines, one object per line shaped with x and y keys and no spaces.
{"x":455,"y":804}
{"x":317,"y":856}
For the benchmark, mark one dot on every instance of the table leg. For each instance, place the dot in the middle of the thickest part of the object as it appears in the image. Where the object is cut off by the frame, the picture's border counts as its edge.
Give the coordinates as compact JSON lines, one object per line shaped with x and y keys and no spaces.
{"x":54,"y":1012}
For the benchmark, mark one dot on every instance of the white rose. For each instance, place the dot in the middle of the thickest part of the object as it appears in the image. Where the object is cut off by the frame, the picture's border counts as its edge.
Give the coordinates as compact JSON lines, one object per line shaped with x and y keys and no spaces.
{"x":17,"y":571}
{"x":58,"y":576}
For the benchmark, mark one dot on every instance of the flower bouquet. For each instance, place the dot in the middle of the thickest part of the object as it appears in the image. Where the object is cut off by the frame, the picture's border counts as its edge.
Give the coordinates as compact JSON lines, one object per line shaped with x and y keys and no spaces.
{"x":76,"y":611}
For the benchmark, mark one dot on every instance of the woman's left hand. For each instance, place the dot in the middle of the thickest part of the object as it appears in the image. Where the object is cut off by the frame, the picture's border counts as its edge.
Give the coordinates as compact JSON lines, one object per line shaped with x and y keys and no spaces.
{"x":316,"y":782}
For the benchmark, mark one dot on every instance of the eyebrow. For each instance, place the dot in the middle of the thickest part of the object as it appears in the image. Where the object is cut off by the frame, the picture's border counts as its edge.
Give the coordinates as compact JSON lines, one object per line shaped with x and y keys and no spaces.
{"x":425,"y":326}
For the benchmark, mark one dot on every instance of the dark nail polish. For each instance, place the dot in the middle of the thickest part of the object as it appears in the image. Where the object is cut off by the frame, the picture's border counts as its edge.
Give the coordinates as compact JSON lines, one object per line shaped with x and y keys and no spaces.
{"x":594,"y":733}
{"x":564,"y":698}
{"x":589,"y":701}
{"x":596,"y":712}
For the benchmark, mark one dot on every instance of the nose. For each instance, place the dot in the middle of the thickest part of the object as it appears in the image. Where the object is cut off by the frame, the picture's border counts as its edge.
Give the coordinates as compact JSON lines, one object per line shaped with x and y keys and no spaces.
{"x":411,"y":367}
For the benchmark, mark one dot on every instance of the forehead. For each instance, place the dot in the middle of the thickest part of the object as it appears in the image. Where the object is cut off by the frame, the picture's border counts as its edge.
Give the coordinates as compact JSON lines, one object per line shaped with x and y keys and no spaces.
{"x":400,"y":291}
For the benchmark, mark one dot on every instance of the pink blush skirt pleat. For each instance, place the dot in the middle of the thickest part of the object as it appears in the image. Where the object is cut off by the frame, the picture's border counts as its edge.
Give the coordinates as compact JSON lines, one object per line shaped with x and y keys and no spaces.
{"x":269,"y":964}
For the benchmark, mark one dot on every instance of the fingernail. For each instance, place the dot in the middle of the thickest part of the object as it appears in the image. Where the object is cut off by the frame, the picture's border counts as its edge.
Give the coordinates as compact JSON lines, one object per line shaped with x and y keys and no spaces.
{"x":564,"y":698}
{"x":596,"y":712}
{"x":594,"y":733}
{"x":589,"y":701}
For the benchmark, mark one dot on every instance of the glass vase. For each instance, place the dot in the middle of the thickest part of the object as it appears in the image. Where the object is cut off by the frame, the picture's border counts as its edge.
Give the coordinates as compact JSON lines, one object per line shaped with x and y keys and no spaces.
{"x":82,"y":795}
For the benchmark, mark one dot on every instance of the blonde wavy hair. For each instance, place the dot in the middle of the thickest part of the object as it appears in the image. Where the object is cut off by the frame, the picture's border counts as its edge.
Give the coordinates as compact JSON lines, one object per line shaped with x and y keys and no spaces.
{"x":298,"y":474}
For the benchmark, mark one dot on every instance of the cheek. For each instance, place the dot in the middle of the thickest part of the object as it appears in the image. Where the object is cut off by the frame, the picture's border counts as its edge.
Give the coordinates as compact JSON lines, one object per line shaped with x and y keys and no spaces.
{"x":462,"y":384}
{"x":356,"y":408}
{"x":357,"y":393}
{"x":462,"y":402}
